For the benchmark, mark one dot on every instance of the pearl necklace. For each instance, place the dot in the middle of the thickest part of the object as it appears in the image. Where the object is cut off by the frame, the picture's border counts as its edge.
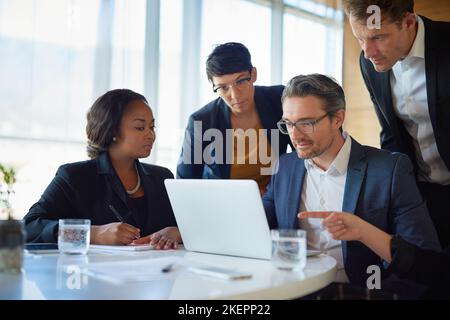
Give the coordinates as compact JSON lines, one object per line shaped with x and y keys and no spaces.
{"x":138,"y":185}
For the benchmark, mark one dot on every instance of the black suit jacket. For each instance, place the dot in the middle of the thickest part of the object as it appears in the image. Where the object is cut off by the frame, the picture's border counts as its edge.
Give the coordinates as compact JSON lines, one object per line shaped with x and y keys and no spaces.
{"x":394,"y":136}
{"x":423,"y":266}
{"x":216,"y":115}
{"x":84,"y":190}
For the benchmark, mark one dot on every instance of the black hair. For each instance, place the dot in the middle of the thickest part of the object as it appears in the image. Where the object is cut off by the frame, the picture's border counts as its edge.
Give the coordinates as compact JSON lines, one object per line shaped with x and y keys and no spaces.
{"x":103,"y":119}
{"x":228,"y":58}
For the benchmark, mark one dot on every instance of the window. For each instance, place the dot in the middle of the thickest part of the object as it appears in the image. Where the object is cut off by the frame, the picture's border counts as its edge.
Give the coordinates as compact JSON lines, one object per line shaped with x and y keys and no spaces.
{"x":47,"y":58}
{"x":236,"y":21}
{"x":320,"y":8}
{"x":168,"y":127}
{"x":58,"y":56}
{"x":312,"y":40}
{"x":128,"y":45}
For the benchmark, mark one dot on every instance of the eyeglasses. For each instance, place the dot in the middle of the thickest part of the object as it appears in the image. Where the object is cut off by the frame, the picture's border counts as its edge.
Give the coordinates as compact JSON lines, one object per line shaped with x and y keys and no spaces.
{"x":223,"y":90}
{"x":304,"y":126}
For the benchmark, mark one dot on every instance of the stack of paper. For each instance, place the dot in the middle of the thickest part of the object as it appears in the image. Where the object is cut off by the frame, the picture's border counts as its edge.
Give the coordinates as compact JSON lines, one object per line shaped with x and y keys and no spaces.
{"x":130,"y":247}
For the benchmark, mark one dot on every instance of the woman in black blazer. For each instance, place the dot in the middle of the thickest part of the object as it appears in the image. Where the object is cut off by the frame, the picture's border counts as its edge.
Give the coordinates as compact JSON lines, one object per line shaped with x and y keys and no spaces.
{"x":124,"y":198}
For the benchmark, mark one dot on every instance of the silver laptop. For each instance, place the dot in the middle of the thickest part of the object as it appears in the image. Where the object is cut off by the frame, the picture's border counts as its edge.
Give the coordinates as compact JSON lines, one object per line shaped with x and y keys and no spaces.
{"x":221,"y":216}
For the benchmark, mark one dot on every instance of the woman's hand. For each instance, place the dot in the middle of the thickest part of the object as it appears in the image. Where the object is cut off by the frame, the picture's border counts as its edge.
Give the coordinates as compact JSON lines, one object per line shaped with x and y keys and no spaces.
{"x":341,"y":225}
{"x":167,"y":238}
{"x":117,"y":233}
{"x":347,"y":227}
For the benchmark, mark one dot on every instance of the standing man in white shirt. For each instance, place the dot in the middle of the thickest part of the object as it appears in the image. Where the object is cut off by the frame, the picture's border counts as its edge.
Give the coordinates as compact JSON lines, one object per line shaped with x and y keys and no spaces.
{"x":329,"y":171}
{"x":405,"y":64}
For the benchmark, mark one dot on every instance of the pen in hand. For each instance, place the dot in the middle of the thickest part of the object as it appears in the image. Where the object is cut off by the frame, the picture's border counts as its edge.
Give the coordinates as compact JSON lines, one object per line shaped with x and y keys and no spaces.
{"x":118,"y":216}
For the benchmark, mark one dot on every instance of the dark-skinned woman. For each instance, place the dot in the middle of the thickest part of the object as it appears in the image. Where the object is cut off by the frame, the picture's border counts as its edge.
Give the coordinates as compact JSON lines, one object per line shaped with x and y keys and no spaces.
{"x":125,"y":199}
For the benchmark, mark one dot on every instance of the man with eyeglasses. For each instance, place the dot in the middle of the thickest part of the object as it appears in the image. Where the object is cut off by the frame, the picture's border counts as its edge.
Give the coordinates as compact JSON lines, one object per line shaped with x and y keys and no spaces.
{"x":330,"y":171}
{"x":241,"y":123}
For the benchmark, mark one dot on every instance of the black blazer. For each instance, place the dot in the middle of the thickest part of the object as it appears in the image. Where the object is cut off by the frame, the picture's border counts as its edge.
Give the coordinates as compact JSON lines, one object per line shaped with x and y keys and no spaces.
{"x":394,"y":136}
{"x":216,"y":115}
{"x":422,"y":266}
{"x":84,"y":190}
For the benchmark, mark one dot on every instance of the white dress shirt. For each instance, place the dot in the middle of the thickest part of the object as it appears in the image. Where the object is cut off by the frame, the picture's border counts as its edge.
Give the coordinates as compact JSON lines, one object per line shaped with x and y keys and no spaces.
{"x":324,"y":191}
{"x":409,"y":95}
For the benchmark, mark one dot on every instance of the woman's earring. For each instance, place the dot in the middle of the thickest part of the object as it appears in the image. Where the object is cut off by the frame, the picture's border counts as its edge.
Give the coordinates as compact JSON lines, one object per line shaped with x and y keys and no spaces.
{"x":114,"y":139}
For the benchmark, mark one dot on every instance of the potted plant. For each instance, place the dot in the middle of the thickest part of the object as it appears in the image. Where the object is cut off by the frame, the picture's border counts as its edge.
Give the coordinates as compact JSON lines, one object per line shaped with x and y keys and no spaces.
{"x":12,"y":235}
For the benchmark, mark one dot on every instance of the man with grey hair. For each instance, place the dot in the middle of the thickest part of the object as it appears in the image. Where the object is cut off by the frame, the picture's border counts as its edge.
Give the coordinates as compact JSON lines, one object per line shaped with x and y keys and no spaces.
{"x":329,"y":171}
{"x":405,"y":63}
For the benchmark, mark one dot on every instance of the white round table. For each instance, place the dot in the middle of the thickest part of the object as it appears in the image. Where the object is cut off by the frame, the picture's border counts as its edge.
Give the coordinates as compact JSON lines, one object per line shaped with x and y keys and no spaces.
{"x":137,"y":275}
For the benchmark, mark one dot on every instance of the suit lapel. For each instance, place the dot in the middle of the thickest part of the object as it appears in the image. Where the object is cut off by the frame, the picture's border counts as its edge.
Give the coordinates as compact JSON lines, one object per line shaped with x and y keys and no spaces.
{"x":149,"y":188}
{"x":265,"y":113}
{"x":381,"y":86}
{"x":147,"y":183}
{"x":355,"y":176}
{"x":105,"y":168}
{"x":387,"y":105}
{"x":117,"y":187}
{"x":294,"y":192}
{"x":356,"y":173}
{"x":224,"y":122}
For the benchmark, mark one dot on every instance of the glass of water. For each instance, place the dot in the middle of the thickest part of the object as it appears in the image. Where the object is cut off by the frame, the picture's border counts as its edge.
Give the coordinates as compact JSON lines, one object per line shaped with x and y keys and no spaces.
{"x":289,"y":249}
{"x":74,"y":236}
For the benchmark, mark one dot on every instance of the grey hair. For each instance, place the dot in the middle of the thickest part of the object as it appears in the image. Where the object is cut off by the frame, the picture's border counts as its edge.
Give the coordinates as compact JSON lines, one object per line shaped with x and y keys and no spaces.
{"x":320,"y":86}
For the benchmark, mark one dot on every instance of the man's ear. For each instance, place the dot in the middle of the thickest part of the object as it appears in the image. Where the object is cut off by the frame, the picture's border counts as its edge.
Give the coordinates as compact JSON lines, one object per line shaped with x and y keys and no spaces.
{"x":339,"y":118}
{"x":409,"y":21}
{"x":254,"y":74}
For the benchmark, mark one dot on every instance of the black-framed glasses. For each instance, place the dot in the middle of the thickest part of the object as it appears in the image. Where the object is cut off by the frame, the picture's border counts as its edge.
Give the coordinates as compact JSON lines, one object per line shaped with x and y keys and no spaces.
{"x":304,"y":126}
{"x":223,"y":90}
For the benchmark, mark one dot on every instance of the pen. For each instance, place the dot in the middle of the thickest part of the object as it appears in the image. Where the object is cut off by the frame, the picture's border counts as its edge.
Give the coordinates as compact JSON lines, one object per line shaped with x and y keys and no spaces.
{"x":168,"y":268}
{"x":118,"y":216}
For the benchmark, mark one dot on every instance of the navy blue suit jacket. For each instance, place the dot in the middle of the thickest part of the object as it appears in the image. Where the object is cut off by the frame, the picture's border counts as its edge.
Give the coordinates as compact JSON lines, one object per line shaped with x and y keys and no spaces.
{"x":380,"y":188}
{"x":84,"y":190}
{"x":394,"y":136}
{"x":216,"y":115}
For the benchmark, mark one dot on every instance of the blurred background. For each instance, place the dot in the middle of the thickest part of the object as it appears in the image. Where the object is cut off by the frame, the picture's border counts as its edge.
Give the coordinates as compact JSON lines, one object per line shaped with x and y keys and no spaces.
{"x":58,"y":56}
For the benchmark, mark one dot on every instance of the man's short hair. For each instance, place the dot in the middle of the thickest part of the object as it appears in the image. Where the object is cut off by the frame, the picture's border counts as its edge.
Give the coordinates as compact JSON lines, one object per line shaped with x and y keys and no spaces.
{"x":228,"y":58}
{"x":320,"y":86}
{"x":394,"y":10}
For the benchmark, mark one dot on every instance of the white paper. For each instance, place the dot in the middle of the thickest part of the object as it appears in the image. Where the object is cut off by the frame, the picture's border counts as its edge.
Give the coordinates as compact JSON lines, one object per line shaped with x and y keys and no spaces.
{"x":130,"y":247}
{"x":120,"y":272}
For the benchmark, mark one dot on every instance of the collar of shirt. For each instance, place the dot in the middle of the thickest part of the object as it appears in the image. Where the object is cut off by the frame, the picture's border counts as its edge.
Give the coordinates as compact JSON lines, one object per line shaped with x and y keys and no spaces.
{"x":340,"y":163}
{"x":418,"y":47}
